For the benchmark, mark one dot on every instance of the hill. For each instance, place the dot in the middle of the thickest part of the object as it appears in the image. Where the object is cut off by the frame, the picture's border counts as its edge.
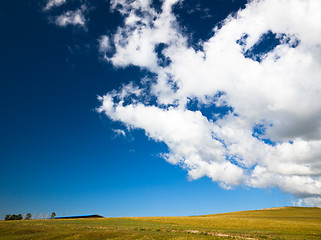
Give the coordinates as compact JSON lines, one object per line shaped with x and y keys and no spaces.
{"x":278,"y":223}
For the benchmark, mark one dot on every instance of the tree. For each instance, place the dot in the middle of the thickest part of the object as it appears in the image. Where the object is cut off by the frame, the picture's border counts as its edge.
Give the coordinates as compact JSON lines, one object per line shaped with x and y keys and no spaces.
{"x":28,"y":216}
{"x":7,"y":217}
{"x":53,"y":215}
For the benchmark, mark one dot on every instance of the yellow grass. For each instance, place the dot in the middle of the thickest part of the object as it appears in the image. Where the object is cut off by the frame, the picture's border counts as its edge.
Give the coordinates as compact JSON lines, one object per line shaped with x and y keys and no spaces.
{"x":282,"y":223}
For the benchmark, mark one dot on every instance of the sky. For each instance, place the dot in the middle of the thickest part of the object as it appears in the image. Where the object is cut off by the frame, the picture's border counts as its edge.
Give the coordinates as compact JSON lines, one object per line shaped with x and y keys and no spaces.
{"x":159,"y":108}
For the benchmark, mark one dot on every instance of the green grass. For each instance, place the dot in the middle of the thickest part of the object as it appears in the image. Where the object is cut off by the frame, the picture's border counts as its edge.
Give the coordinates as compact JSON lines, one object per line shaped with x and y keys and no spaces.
{"x":277,"y":224}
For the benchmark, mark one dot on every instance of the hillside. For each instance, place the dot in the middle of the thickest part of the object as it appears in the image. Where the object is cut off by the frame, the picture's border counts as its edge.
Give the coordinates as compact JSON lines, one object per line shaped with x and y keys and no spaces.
{"x":277,"y":223}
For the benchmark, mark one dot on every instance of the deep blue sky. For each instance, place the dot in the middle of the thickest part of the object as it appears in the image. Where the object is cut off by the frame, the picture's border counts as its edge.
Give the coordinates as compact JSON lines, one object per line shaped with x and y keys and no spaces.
{"x":58,"y":154}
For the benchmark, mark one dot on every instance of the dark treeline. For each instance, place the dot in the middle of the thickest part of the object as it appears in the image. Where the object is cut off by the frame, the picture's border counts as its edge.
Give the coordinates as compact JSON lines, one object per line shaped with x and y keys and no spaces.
{"x":13,"y":217}
{"x":17,"y":217}
{"x":27,"y":217}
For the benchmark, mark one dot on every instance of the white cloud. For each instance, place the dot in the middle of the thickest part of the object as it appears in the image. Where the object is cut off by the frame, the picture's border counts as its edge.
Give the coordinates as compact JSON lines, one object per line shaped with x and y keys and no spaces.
{"x":75,"y":17}
{"x":281,"y":94}
{"x":298,"y":203}
{"x":143,"y":31}
{"x":71,"y":18}
{"x":104,"y":44}
{"x":54,"y":3}
{"x":188,"y":135}
{"x":313,"y":201}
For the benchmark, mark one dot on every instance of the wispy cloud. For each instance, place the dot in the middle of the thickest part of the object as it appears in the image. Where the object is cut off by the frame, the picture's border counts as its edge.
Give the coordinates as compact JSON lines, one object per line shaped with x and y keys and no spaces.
{"x":54,"y":3}
{"x":119,"y":132}
{"x":272,"y":135}
{"x":71,"y":18}
{"x":104,"y":45}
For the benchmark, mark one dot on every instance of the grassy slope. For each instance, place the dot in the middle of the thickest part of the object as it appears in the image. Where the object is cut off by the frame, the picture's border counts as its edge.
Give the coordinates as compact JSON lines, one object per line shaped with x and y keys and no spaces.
{"x":283,"y":223}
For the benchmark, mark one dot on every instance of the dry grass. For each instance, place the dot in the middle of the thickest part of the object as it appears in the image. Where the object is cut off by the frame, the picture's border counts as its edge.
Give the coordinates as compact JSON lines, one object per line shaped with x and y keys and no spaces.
{"x":282,"y":223}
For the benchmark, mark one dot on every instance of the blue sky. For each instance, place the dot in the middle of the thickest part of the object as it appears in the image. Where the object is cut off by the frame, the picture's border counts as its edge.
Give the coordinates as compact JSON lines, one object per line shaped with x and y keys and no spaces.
{"x":127,"y":153}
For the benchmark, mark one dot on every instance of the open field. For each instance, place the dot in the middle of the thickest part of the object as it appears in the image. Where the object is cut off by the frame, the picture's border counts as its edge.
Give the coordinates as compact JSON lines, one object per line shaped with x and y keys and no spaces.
{"x":282,"y":223}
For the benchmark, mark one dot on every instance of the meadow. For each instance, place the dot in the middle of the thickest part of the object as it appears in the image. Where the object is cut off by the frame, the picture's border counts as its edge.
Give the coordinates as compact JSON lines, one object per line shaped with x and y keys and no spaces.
{"x":277,"y":224}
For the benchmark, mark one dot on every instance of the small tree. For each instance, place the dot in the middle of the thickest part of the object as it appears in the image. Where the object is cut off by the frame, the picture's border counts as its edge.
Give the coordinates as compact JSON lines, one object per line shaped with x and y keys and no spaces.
{"x":7,"y":217}
{"x":53,"y":215}
{"x":28,"y":216}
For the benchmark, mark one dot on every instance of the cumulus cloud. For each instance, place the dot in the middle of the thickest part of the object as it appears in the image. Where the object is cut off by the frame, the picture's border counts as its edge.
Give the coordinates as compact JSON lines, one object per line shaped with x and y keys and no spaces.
{"x":144,"y":28}
{"x":54,"y":3}
{"x":313,"y":201}
{"x":271,"y":134}
{"x":71,"y":18}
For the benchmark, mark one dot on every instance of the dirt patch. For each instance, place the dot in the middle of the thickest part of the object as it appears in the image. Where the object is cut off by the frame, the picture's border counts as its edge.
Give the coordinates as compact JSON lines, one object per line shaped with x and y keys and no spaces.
{"x":216,"y":234}
{"x":273,"y":208}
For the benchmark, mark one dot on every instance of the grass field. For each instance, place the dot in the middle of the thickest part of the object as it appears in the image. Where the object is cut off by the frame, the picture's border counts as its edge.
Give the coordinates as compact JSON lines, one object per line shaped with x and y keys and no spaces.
{"x":282,"y":223}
